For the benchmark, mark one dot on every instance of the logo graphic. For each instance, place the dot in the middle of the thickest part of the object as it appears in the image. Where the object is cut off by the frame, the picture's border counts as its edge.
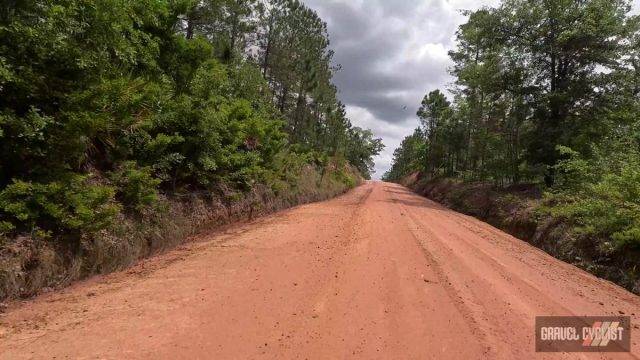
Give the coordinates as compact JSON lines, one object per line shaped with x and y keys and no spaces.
{"x":601,"y":333}
{"x":583,"y":334}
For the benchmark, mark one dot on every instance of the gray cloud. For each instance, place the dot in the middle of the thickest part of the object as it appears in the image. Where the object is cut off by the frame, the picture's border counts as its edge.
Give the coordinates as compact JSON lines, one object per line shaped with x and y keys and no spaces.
{"x":392,"y":52}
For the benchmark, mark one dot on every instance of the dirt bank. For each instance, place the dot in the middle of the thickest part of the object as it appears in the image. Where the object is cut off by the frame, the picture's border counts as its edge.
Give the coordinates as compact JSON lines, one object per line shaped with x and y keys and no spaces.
{"x":30,"y":265}
{"x":378,"y":273}
{"x":519,"y":210}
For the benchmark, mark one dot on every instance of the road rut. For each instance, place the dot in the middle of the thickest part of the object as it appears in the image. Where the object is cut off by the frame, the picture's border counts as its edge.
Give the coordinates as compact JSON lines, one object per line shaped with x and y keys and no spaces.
{"x":378,"y":273}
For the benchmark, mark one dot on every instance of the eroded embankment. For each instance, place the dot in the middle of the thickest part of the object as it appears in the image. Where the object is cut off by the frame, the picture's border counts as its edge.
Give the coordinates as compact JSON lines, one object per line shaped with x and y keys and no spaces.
{"x":29,"y":266}
{"x":519,"y":210}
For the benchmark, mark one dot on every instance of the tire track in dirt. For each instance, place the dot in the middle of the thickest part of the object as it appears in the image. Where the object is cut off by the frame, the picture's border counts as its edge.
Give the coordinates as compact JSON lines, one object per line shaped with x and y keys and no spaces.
{"x":439,"y":232}
{"x":379,"y":273}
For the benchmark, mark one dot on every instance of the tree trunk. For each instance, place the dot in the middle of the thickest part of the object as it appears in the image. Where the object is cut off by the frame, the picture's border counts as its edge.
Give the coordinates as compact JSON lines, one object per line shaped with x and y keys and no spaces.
{"x":298,"y":112}
{"x":189,"y":28}
{"x":283,"y":99}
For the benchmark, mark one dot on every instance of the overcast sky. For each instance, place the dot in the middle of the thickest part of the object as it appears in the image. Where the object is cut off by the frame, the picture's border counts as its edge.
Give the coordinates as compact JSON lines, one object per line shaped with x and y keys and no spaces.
{"x":392,"y":53}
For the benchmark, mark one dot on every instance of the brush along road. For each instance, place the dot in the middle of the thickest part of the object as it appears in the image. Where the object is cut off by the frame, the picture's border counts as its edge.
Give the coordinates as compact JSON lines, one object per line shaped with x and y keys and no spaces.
{"x":379,"y":273}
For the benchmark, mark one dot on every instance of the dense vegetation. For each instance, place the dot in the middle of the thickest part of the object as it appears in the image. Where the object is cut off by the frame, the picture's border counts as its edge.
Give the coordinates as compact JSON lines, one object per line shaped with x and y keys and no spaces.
{"x":546,"y":92}
{"x":105,"y":105}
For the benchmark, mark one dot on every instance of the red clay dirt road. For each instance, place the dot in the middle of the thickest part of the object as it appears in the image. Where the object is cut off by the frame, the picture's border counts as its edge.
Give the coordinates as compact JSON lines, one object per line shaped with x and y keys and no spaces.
{"x":378,"y":273}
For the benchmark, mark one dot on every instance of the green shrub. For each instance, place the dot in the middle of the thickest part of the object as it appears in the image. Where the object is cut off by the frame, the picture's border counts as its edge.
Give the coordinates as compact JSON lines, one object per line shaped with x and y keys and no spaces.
{"x":602,"y":198}
{"x":118,"y":89}
{"x":73,"y":206}
{"x":343,"y":177}
{"x":137,"y":188}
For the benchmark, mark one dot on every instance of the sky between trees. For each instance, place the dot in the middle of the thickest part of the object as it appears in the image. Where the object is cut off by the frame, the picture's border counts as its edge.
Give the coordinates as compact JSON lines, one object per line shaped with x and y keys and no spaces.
{"x":392,"y":53}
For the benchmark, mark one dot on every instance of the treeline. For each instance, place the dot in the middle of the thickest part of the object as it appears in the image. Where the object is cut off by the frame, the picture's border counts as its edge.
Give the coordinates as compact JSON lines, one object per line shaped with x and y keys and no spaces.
{"x":107,"y":104}
{"x":545,"y":92}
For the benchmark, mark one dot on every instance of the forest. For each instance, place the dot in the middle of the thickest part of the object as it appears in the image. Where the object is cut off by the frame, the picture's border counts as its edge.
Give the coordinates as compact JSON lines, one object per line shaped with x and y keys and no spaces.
{"x":109,"y":108}
{"x":546,"y":93}
{"x":106,"y":103}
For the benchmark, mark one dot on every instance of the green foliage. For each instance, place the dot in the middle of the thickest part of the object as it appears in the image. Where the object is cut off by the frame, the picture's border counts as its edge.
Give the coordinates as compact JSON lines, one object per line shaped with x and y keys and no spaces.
{"x":532,"y":76}
{"x":74,"y":205}
{"x":159,"y":96}
{"x":408,"y":158}
{"x":602,"y":197}
{"x":572,"y":171}
{"x":361,"y":147}
{"x":343,"y":177}
{"x":137,"y":188}
{"x":547,"y":93}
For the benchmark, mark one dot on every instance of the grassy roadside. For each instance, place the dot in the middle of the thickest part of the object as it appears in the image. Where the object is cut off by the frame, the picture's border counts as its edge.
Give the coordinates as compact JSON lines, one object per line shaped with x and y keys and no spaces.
{"x":526,"y":213}
{"x":29,"y":265}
